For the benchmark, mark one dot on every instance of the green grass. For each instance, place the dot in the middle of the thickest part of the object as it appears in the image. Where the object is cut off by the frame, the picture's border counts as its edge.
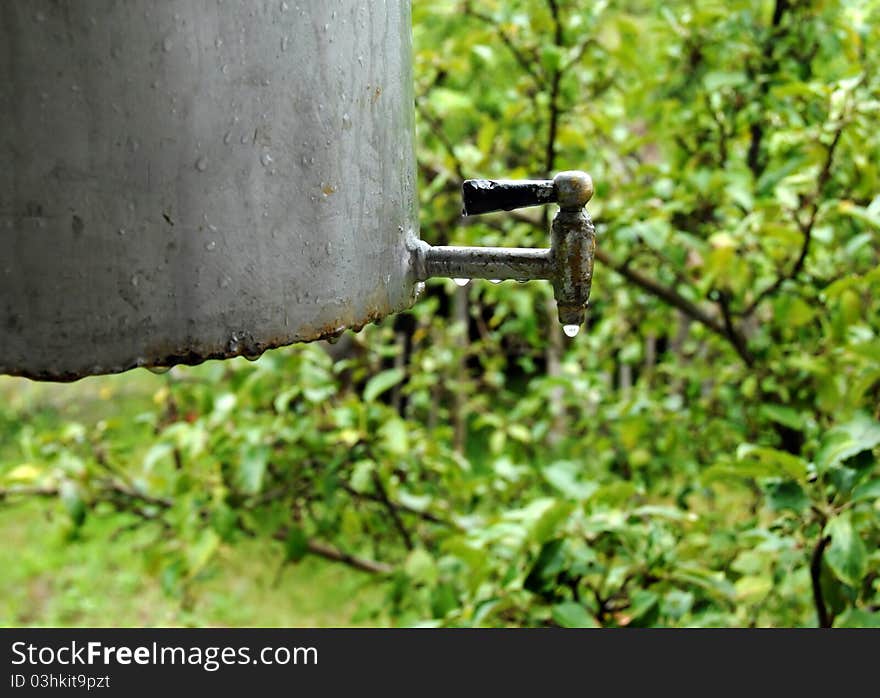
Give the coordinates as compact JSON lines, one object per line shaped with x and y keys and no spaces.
{"x":103,"y":577}
{"x":101,"y":580}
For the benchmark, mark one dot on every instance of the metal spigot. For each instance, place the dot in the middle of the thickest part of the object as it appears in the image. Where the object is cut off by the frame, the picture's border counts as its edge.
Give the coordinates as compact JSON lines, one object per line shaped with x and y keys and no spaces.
{"x":568,"y":263}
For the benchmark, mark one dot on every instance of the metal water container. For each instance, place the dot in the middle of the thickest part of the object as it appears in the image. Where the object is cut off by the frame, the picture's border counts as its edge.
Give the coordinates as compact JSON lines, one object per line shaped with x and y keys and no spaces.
{"x":182,"y":180}
{"x":193,"y":179}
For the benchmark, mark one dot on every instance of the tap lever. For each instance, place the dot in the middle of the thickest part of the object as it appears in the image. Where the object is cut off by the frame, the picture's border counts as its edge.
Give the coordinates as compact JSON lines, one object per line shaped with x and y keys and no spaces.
{"x":571,"y":190}
{"x":488,"y":195}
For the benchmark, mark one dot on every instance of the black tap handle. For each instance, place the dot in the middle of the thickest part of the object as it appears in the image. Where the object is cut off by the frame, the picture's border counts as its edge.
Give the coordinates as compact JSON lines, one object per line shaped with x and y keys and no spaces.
{"x":488,"y":195}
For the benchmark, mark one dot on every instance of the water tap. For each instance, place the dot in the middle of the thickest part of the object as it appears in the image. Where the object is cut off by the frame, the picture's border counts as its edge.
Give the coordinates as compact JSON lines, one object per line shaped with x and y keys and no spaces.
{"x":567,"y":263}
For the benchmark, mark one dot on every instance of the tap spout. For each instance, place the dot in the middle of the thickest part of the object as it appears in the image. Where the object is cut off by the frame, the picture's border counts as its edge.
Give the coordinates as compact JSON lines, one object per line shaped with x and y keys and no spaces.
{"x":567,"y":263}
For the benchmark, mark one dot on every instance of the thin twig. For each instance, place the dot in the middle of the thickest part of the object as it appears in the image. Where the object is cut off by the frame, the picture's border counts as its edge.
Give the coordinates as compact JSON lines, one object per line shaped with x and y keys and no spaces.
{"x":507,"y":40}
{"x":825,"y":619}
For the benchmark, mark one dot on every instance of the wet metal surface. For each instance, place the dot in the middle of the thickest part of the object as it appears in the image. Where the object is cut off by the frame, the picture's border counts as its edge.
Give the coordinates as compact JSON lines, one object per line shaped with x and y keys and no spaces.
{"x":189,"y":179}
{"x":489,"y":262}
{"x":568,"y":263}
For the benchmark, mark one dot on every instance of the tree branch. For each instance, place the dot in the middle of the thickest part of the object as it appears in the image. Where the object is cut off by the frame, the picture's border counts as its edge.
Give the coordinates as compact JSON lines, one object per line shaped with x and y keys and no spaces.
{"x":555,"y":112}
{"x":806,"y":229}
{"x":392,"y":512}
{"x":440,"y":135}
{"x":676,"y":300}
{"x":508,"y":41}
{"x":424,"y":515}
{"x":768,"y":65}
{"x":329,"y":552}
{"x":825,"y":619}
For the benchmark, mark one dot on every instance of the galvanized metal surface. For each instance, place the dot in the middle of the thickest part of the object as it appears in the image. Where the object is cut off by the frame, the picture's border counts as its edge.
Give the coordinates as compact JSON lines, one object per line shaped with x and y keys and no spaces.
{"x":194,"y":179}
{"x":519,"y":263}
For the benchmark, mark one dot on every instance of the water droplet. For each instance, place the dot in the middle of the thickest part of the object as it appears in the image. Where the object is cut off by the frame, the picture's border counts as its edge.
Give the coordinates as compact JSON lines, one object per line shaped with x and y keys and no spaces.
{"x":202,"y":164}
{"x":266,"y":159}
{"x":135,"y":280}
{"x":167,"y":44}
{"x":461,"y":282}
{"x":251,"y":357}
{"x":210,"y":245}
{"x":158,"y":370}
{"x":224,"y":68}
{"x":227,"y":138}
{"x":495,"y":281}
{"x":346,"y":121}
{"x":218,"y":42}
{"x":571,"y":330}
{"x":284,"y":42}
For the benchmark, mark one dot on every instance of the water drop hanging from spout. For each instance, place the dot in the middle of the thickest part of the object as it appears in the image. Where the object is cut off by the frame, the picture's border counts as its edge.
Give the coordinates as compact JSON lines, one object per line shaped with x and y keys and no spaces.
{"x":461,"y":282}
{"x":571,"y":330}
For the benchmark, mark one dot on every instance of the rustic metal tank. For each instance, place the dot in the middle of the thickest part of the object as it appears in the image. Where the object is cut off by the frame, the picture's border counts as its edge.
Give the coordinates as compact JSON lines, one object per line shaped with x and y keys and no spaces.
{"x":185,"y":180}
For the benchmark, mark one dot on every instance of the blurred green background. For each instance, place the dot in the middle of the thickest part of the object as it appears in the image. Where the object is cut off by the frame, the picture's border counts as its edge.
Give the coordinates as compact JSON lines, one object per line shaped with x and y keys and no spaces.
{"x":704,"y":453}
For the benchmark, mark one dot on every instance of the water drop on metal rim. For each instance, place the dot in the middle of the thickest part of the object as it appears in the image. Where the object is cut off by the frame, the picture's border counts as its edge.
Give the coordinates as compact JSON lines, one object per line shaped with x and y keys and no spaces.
{"x":158,"y":370}
{"x":461,"y":282}
{"x":571,"y":330}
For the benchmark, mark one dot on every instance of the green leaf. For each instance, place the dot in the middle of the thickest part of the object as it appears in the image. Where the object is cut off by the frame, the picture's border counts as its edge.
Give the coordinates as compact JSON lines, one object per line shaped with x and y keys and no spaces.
{"x":563,"y":475}
{"x":718,"y":80}
{"x":866,"y":491}
{"x":643,"y":608}
{"x":549,"y":521}
{"x":861,"y":433}
{"x":772,"y":462}
{"x":846,"y":556}
{"x":751,"y":589}
{"x":381,"y":382}
{"x":252,"y":467}
{"x":200,"y":552}
{"x":296,"y":545}
{"x":420,"y":566}
{"x":520,"y":433}
{"x":783,"y":415}
{"x":362,"y":475}
{"x":572,"y":615}
{"x":71,"y":497}
{"x":786,"y":495}
{"x":395,"y":436}
{"x":549,"y":563}
{"x":858,"y":618}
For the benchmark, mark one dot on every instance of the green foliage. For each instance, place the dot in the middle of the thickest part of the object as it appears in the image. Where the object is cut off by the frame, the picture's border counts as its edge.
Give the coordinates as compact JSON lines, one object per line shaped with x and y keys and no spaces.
{"x":703,"y":454}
